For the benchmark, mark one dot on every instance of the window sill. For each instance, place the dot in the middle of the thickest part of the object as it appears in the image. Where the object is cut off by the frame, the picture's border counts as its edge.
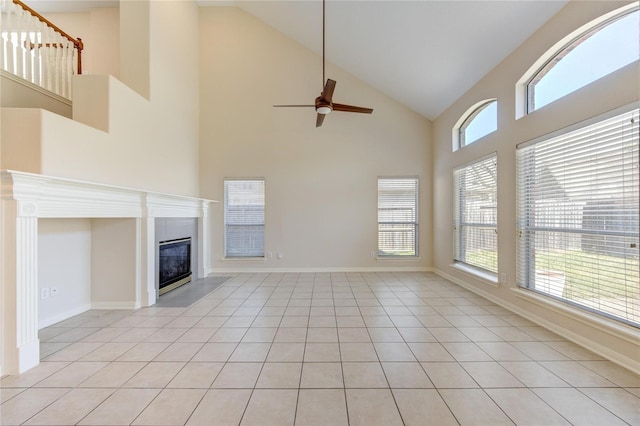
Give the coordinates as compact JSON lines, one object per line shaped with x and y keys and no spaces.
{"x":607,"y":325}
{"x":488,"y":277}
{"x":402,"y":258}
{"x":244,"y":259}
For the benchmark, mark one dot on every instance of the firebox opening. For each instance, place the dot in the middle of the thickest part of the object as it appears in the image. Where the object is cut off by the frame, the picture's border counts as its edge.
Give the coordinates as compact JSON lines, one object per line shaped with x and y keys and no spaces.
{"x":174,"y":264}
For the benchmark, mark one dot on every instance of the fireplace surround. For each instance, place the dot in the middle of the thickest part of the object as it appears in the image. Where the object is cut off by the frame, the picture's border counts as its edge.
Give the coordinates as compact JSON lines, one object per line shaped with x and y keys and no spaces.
{"x":27,"y":197}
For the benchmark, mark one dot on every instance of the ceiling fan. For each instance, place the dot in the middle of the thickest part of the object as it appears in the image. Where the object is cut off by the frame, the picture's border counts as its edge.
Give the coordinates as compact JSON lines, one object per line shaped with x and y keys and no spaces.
{"x":324,"y":103}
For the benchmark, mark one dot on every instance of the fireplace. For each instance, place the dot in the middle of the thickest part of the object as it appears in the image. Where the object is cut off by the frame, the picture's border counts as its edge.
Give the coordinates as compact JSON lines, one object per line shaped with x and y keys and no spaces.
{"x":174,"y":264}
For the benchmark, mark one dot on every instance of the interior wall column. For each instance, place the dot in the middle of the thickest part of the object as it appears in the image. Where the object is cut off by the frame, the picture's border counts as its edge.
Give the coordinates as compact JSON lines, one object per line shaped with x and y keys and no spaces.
{"x":147,"y":245}
{"x":204,"y":241}
{"x":19,"y":286}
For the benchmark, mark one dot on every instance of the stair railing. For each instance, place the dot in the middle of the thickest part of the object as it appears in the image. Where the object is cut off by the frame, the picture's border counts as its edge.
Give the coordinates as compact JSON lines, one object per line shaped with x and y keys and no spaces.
{"x":33,"y":48}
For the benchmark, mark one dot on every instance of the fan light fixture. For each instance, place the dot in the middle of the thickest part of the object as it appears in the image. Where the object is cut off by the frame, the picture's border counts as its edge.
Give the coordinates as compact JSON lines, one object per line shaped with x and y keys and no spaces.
{"x":324,"y":103}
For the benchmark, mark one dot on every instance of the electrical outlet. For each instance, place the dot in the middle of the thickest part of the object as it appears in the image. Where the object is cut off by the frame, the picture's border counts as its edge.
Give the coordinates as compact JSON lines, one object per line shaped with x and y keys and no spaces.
{"x":373,"y":254}
{"x":54,"y":291}
{"x":503,"y":278}
{"x":44,"y":293}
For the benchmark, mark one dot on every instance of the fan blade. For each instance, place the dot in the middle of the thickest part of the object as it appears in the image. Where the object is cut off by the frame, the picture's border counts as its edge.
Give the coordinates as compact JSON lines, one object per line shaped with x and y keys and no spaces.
{"x":351,"y":108}
{"x":320,"y":120}
{"x":327,"y":92}
{"x":293,"y":106}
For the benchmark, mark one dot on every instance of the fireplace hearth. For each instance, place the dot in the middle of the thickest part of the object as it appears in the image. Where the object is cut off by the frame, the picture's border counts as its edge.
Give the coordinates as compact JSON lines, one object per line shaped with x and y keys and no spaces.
{"x":174,"y":264}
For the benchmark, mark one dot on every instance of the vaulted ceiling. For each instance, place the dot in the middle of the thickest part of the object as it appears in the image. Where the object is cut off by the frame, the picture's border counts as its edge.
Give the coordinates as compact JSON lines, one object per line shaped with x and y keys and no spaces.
{"x":424,"y":54}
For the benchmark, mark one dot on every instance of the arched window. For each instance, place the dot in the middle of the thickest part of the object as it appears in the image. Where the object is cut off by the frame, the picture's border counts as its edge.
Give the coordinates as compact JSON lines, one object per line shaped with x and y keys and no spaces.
{"x":593,"y":51}
{"x":478,"y":121}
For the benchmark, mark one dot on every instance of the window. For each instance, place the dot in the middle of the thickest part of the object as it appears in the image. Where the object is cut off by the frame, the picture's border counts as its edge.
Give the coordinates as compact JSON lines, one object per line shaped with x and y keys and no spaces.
{"x":397,"y":217}
{"x":476,"y":241}
{"x":578,"y":216}
{"x":589,"y":55}
{"x":244,"y":217}
{"x":480,"y":120}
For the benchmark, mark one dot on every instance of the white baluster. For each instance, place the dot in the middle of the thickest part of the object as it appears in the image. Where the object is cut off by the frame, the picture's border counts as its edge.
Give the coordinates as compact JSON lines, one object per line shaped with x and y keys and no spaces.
{"x":64,"y":46}
{"x":69,"y":72}
{"x":20,"y":51}
{"x":66,"y":73}
{"x":29,"y":50}
{"x":37,"y":58}
{"x":46,"y":59}
{"x":58,"y":52}
{"x":4,"y":23}
{"x":11,"y":51}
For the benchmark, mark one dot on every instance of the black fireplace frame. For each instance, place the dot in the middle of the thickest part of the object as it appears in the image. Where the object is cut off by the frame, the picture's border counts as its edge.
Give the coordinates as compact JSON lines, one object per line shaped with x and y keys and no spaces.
{"x":178,"y":272}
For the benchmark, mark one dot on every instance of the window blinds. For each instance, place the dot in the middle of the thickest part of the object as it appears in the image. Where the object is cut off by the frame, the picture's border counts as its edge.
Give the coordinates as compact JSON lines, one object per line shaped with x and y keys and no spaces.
{"x":397,"y":216}
{"x":244,"y":217}
{"x":476,"y":240}
{"x":578,"y":216}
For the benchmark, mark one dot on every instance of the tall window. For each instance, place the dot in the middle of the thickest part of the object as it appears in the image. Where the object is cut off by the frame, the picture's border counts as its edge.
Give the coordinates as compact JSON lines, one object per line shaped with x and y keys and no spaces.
{"x":397,"y":217}
{"x":590,"y":55}
{"x":578,"y":216}
{"x":479,"y":121}
{"x":476,"y":240}
{"x":244,"y":217}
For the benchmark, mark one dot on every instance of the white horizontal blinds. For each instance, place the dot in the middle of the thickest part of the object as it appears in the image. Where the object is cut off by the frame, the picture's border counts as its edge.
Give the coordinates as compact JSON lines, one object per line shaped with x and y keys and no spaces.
{"x":244,"y":217}
{"x":476,"y":239}
{"x":578,"y":216}
{"x":397,"y":216}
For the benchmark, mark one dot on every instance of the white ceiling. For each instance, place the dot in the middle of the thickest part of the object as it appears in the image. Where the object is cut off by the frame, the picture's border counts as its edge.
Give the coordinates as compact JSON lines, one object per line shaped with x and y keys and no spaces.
{"x":424,"y":54}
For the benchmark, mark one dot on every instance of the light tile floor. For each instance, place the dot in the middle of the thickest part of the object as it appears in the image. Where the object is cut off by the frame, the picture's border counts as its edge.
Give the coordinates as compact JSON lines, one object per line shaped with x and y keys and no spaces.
{"x":313,"y":349}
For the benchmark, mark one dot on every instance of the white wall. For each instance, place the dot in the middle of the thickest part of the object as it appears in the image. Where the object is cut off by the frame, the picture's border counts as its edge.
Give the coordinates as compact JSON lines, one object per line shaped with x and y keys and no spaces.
{"x":618,"y":89}
{"x":321,"y":183}
{"x":64,"y":263}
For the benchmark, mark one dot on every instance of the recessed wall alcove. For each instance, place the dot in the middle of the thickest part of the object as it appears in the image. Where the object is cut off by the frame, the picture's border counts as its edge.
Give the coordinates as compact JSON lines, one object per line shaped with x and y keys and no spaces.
{"x":104,"y":238}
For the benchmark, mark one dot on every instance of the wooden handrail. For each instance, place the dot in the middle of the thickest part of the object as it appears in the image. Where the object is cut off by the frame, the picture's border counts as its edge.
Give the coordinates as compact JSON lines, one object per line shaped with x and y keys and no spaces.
{"x":77,"y":43}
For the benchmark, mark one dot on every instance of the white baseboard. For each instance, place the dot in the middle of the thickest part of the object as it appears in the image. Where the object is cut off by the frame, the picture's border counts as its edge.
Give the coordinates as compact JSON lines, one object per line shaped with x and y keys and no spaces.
{"x":611,"y":327}
{"x":46,"y":322}
{"x":115,"y":305}
{"x":319,"y":270}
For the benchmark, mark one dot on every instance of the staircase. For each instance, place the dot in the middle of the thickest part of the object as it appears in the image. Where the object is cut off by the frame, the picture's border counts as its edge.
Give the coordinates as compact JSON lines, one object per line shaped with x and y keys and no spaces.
{"x":36,"y":50}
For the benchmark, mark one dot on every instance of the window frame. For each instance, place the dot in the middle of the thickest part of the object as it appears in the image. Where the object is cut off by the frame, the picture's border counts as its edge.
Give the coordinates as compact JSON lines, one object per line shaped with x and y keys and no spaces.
{"x":248,"y":256}
{"x":526,"y":247}
{"x":525,"y":94}
{"x":457,"y":136}
{"x":471,"y":116}
{"x":414,"y":224}
{"x":459,"y":246}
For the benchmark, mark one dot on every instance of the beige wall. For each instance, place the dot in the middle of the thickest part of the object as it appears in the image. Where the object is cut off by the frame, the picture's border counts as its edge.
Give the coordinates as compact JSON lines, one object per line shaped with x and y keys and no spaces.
{"x":618,"y":89}
{"x":321,"y":183}
{"x":146,"y":142}
{"x":99,"y":31}
{"x":174,"y":98}
{"x":114,"y":260}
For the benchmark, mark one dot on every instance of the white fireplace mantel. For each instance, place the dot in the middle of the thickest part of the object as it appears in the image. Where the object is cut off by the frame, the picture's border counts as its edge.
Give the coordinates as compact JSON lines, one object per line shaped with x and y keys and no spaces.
{"x":26,"y":197}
